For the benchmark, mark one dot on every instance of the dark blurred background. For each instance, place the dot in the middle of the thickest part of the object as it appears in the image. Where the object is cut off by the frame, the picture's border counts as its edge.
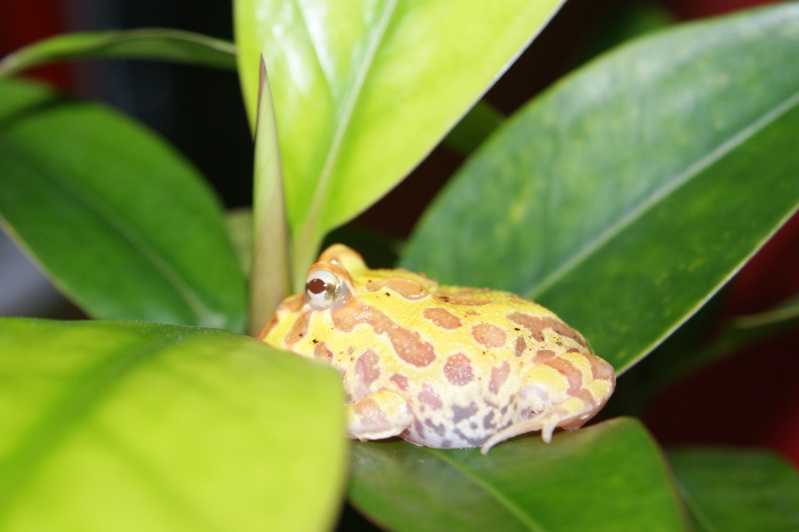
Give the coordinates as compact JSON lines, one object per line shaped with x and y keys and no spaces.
{"x":749,"y":399}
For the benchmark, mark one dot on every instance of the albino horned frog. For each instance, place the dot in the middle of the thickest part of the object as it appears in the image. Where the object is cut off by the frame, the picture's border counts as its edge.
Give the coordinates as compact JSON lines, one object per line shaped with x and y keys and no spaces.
{"x":440,"y":366}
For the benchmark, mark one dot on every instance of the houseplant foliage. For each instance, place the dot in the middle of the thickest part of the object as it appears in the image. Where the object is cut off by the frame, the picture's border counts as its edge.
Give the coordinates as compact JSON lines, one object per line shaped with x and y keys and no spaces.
{"x":622,"y":198}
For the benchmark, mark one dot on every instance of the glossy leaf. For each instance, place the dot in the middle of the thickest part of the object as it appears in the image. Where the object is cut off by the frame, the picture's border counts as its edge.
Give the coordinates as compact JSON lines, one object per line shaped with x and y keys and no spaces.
{"x":363,"y":90}
{"x":136,"y":426}
{"x":735,"y":490}
{"x":121,"y":223}
{"x":591,"y":479}
{"x":631,"y":191}
{"x":158,"y":44}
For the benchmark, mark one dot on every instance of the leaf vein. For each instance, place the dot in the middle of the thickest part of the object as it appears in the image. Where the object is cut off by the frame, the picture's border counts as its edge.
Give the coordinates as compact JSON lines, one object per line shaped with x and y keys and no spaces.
{"x":320,"y":192}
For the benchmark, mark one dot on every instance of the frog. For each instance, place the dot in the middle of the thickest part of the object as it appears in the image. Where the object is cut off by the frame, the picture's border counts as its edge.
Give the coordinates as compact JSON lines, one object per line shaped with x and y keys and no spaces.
{"x":436,"y":365}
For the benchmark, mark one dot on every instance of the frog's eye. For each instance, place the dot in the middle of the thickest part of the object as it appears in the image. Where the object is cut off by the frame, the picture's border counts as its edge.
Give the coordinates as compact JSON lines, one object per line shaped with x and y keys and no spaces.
{"x":322,"y":287}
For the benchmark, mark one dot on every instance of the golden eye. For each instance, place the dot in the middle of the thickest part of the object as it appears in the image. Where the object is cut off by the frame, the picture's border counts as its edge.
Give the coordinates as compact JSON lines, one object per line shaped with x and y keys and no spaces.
{"x":322,"y":287}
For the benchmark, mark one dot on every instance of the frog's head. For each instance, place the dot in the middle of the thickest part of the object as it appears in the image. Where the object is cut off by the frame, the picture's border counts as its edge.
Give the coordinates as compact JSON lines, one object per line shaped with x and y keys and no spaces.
{"x":340,"y":293}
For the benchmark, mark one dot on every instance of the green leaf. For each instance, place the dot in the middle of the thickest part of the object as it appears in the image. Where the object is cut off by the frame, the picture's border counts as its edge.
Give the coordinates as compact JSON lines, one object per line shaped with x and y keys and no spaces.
{"x":239,"y":229}
{"x":591,"y":479}
{"x":136,"y":426}
{"x":270,"y":282}
{"x":122,"y":224}
{"x":631,"y":191}
{"x":157,"y":44}
{"x":363,"y":90}
{"x":683,"y":357}
{"x":735,"y":490}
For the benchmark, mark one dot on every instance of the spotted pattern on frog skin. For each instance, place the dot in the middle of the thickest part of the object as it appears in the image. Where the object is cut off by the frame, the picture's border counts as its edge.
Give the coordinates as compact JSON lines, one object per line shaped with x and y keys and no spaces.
{"x":458,"y":370}
{"x":489,"y":335}
{"x":443,"y":366}
{"x":368,"y":367}
{"x":406,"y":344}
{"x":442,"y":318}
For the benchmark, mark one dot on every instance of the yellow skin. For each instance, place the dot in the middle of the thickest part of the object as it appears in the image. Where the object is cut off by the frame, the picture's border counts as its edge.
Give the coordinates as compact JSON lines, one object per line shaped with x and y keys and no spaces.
{"x":440,"y":366}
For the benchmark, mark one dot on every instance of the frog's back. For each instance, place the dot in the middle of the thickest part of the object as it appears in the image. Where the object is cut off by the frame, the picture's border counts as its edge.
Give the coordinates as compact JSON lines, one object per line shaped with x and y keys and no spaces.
{"x":459,"y":356}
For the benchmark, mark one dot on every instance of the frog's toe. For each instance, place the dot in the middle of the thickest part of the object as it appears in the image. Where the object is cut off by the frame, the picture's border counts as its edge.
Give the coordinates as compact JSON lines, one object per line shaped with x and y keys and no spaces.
{"x":565,"y":392}
{"x":546,"y":422}
{"x":380,"y":415}
{"x":517,"y":429}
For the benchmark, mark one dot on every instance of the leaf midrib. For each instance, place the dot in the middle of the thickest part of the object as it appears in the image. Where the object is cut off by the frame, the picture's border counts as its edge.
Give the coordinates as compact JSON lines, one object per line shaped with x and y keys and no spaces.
{"x":691,"y":171}
{"x":343,"y":124}
{"x":488,"y":488}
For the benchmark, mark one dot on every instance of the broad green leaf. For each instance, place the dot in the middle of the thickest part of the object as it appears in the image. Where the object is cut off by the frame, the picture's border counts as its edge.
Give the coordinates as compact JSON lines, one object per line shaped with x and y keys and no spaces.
{"x":122,"y":224}
{"x":632,"y":190}
{"x":363,"y":90}
{"x":135,"y":426}
{"x":156,"y":44}
{"x":605,"y":477}
{"x":735,"y":490}
{"x":270,"y":281}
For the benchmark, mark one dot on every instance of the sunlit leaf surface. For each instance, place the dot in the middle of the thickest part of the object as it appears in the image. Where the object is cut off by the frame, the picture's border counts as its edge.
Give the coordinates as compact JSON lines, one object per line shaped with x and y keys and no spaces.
{"x":134,"y":426}
{"x":363,"y":90}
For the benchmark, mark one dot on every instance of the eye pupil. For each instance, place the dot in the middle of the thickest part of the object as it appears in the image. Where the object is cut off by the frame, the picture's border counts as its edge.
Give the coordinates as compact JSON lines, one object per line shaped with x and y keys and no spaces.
{"x":322,"y":288}
{"x":317,"y":286}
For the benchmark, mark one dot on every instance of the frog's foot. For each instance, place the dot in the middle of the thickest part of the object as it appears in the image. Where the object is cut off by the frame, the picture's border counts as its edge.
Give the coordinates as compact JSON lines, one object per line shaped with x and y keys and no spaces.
{"x":564,"y":392}
{"x":570,"y":414}
{"x":377,"y":416}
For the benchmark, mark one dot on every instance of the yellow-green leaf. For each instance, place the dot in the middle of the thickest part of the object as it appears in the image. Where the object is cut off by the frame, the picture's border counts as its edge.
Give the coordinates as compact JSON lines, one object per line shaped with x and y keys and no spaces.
{"x":363,"y":90}
{"x":134,"y":426}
